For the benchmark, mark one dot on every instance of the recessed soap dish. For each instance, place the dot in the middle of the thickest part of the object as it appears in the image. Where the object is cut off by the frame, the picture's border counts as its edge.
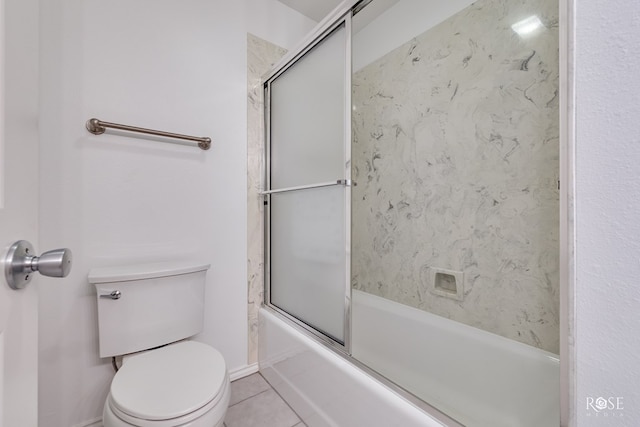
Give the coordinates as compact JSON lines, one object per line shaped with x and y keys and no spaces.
{"x":447,"y":283}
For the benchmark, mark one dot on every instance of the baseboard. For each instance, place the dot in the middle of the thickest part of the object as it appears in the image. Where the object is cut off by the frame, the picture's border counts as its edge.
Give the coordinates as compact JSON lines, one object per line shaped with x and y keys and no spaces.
{"x":243,"y":371}
{"x":95,"y":422}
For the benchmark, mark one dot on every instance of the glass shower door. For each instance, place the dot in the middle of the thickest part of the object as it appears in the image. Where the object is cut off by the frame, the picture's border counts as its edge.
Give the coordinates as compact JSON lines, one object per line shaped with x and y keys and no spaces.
{"x":307,"y":186}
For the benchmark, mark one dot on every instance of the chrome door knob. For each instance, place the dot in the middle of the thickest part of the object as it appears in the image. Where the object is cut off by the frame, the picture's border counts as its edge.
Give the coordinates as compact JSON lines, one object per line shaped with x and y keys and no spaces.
{"x":54,"y":263}
{"x":20,"y":263}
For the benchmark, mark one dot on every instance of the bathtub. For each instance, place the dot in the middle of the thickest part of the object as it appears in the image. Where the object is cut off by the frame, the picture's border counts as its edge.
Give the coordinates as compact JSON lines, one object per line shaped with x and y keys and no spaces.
{"x":322,"y":387}
{"x":477,"y":378}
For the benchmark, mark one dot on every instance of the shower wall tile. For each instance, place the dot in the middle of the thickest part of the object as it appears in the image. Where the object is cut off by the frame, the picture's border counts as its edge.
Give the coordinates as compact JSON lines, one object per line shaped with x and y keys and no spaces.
{"x":455,"y":155}
{"x":261,"y":55}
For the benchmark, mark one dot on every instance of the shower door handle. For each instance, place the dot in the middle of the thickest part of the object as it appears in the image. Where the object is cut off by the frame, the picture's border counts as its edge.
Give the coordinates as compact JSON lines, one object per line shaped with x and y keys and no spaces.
{"x":343,"y":182}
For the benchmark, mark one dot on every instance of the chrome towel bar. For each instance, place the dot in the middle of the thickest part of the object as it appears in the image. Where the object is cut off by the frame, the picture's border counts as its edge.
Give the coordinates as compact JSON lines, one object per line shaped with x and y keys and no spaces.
{"x":97,"y":127}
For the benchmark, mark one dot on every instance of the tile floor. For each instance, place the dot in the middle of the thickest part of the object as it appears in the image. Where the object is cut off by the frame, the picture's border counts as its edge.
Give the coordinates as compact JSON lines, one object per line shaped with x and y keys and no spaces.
{"x":254,"y":403}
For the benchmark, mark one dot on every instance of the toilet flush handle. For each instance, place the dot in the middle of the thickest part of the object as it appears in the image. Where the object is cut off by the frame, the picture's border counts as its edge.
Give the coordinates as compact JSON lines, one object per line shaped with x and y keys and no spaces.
{"x":112,"y":295}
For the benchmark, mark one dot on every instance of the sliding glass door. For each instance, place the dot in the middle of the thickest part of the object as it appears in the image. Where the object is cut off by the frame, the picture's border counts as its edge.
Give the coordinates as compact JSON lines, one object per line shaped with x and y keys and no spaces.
{"x":307,"y":194}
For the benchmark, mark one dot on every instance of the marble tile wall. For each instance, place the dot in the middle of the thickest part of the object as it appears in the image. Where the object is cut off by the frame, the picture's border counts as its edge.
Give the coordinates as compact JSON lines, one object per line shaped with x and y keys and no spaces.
{"x":455,"y":155}
{"x":261,"y":55}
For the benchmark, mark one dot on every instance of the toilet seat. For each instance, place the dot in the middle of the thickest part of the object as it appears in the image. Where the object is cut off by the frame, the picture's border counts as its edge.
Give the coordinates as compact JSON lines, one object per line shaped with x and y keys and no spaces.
{"x":210,"y":415}
{"x":170,"y":386}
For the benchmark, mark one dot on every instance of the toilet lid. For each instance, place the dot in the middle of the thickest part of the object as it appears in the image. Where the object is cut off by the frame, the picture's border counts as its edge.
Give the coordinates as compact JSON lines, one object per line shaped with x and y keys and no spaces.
{"x":169,"y":382}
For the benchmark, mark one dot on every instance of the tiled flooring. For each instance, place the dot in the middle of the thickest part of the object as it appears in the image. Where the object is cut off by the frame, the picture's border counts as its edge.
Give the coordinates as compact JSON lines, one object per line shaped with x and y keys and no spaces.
{"x":255,"y":404}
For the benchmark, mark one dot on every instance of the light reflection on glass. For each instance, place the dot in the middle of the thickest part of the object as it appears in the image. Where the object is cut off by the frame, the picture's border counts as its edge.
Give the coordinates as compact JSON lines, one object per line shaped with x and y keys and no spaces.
{"x":527,"y":26}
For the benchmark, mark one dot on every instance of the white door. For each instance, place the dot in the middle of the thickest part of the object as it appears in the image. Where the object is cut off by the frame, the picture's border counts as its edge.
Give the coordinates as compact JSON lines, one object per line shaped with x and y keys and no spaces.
{"x":18,"y":208}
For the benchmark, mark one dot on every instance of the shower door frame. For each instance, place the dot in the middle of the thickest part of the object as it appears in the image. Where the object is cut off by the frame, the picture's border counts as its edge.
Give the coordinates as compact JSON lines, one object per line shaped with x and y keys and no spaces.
{"x":331,"y":24}
{"x":567,"y":190}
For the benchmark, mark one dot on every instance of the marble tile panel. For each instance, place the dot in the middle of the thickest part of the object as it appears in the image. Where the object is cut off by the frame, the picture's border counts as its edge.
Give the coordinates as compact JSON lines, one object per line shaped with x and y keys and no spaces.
{"x":261,"y":55}
{"x":455,"y":153}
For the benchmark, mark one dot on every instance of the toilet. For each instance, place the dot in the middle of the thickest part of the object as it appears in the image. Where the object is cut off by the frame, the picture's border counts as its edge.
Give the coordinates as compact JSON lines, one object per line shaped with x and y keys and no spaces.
{"x":145,"y":314}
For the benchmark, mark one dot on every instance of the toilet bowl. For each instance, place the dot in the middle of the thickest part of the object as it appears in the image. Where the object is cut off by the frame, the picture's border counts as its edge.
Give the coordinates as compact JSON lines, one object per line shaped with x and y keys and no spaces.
{"x":145,"y":314}
{"x":182,"y":384}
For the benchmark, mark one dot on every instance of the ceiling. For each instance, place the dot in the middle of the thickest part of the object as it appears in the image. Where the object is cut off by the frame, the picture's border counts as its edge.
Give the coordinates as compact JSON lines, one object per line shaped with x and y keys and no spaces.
{"x":313,"y":9}
{"x":318,"y":9}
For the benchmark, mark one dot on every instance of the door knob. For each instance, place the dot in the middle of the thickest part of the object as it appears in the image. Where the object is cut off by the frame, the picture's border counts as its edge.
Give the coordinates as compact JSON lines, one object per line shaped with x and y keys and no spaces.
{"x":21,"y":263}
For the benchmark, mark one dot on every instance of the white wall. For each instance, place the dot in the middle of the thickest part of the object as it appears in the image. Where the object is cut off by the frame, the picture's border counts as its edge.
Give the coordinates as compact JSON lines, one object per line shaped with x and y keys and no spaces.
{"x":173,"y":65}
{"x":273,"y":21}
{"x":608,"y":206}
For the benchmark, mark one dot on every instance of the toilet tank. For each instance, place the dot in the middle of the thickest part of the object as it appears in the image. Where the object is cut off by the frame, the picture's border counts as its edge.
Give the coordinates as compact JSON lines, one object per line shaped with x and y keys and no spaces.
{"x":159,"y":303}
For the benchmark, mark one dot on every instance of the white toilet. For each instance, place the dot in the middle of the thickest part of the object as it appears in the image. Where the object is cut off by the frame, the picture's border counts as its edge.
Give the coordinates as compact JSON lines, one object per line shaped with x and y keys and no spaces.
{"x":144,"y":311}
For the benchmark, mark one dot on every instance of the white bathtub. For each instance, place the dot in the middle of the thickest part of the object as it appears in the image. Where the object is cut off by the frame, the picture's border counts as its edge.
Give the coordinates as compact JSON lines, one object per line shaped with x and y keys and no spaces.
{"x":476,"y":377}
{"x":324,"y":389}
